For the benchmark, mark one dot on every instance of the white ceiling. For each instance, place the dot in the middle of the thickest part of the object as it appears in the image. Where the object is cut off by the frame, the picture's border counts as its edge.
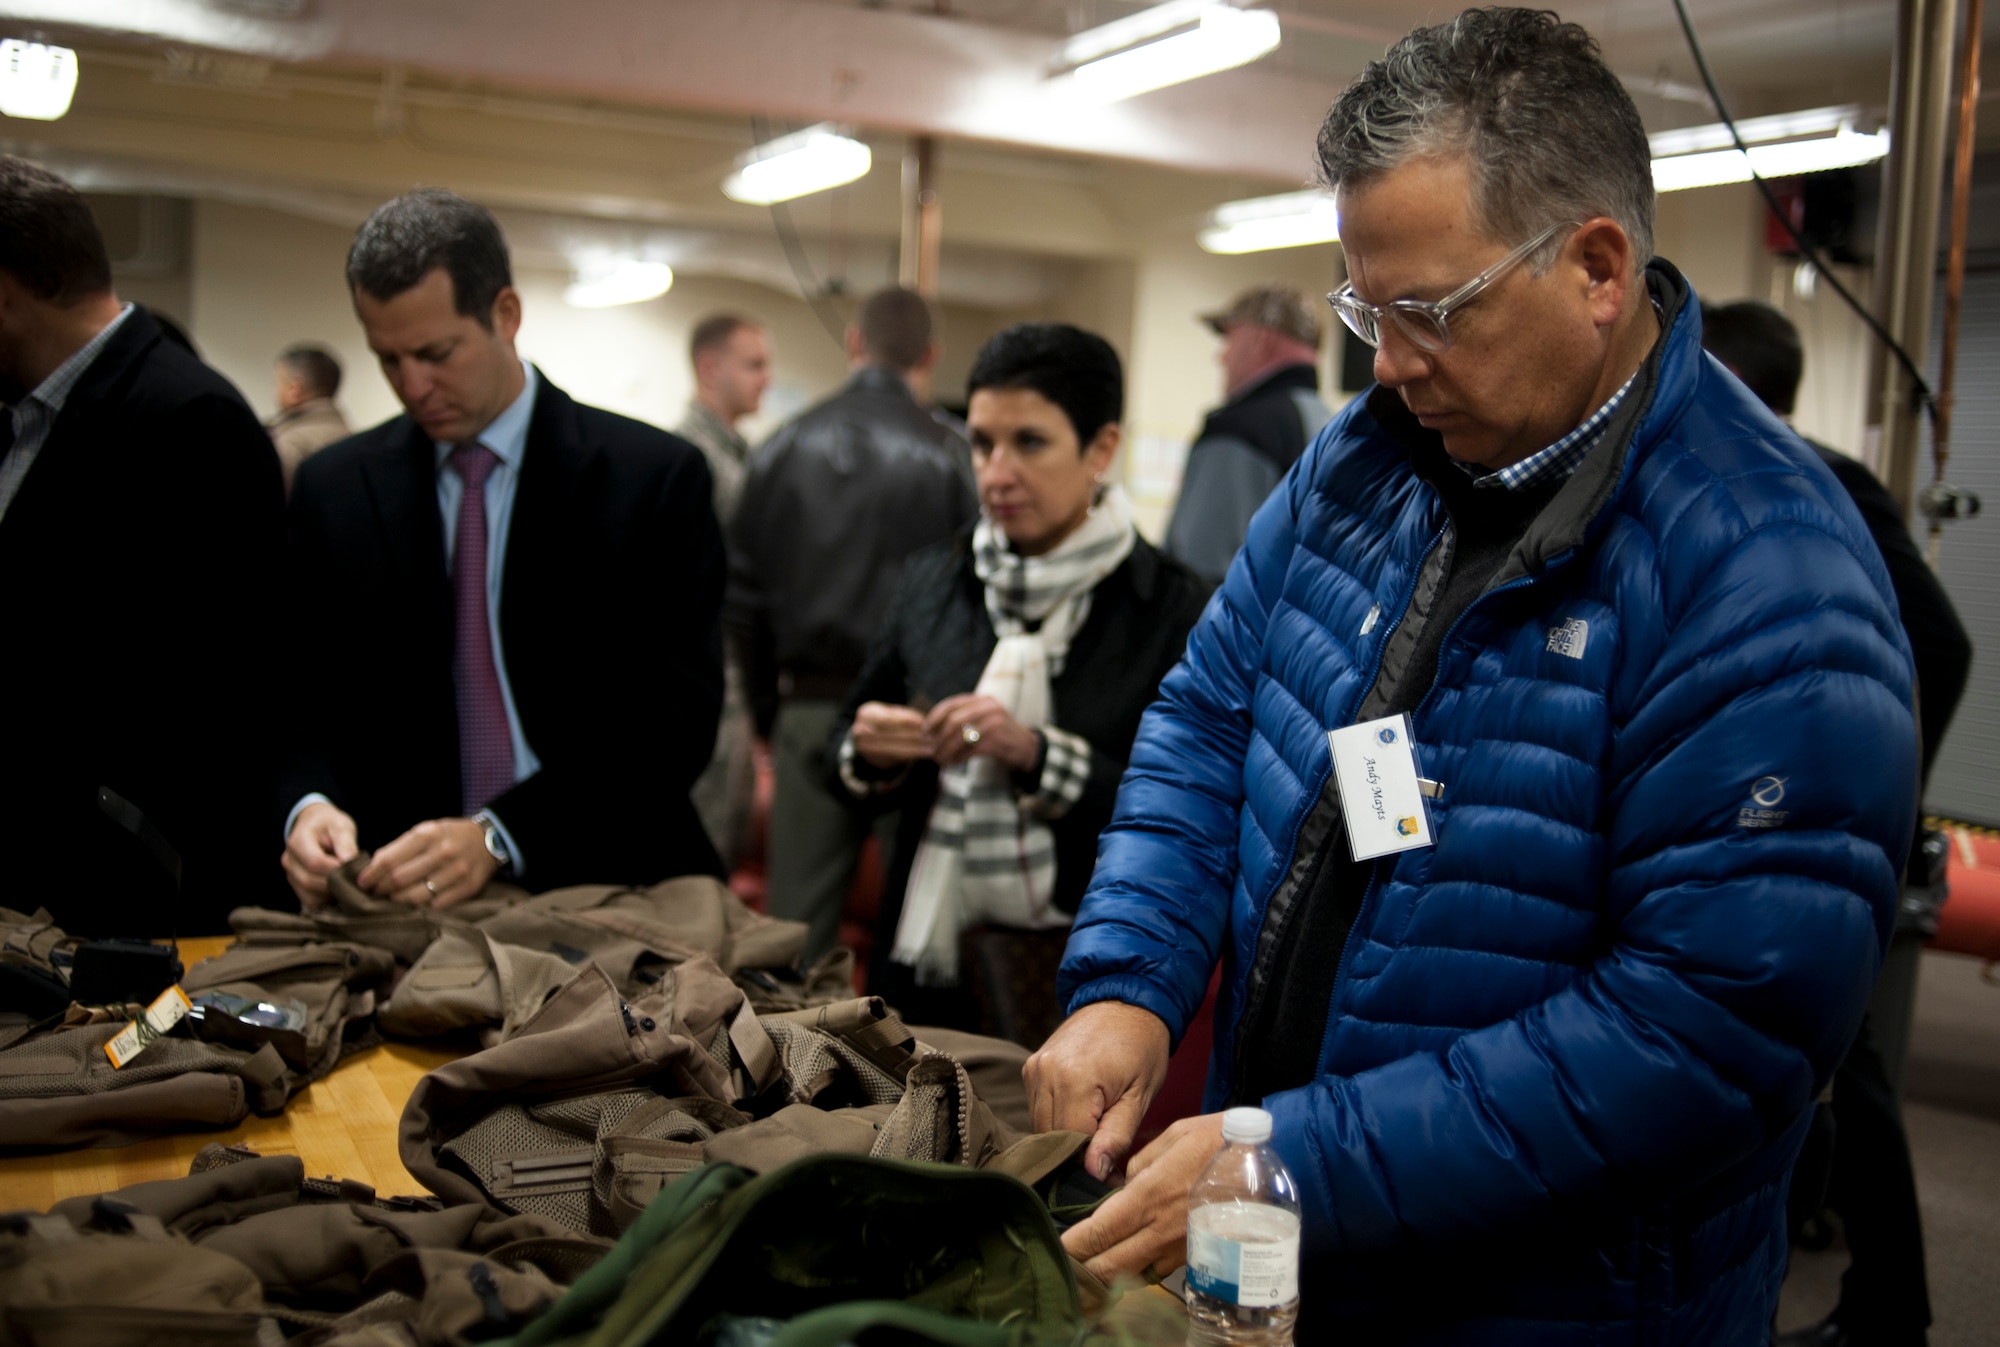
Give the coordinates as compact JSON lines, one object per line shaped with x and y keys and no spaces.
{"x":975,"y":69}
{"x":590,"y":121}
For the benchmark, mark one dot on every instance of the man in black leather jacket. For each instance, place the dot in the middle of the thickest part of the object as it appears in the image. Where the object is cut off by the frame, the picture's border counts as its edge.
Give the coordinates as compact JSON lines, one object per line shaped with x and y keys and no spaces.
{"x":832,"y":505}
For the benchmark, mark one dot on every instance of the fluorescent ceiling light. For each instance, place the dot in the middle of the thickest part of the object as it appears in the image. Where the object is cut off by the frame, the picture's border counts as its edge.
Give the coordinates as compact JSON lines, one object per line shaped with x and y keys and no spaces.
{"x":1292,"y":220}
{"x":1784,"y":126}
{"x":1792,"y":143}
{"x":626,"y":280}
{"x":1167,"y":44}
{"x":36,"y":81}
{"x":807,"y":161}
{"x":1131,"y":30}
{"x":1845,"y":150}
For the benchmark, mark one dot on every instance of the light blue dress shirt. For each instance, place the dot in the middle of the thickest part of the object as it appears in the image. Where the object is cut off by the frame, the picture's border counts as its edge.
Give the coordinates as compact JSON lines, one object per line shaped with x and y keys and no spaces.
{"x":507,"y":437}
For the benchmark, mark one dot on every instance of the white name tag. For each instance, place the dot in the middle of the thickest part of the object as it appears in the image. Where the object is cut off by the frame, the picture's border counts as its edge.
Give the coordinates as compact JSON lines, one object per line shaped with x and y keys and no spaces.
{"x":1379,"y":791}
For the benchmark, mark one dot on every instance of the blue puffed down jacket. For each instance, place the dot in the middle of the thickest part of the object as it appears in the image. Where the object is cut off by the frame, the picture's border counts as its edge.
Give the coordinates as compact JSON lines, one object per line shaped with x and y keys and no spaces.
{"x":1572,"y":1048}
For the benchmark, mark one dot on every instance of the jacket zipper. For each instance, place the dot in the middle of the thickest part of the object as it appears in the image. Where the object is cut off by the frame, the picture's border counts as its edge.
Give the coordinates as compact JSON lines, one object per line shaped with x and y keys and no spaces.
{"x":1245,"y":1015}
{"x":1361,"y":915}
{"x":1375,"y":879}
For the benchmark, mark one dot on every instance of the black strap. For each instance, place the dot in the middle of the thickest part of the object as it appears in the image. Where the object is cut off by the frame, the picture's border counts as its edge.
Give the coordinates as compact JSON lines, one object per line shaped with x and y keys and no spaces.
{"x":133,"y":820}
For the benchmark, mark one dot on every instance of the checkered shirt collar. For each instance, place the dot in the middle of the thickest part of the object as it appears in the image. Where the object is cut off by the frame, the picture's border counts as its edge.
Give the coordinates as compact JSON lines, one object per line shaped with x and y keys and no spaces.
{"x":54,"y":391}
{"x":1560,"y":459}
{"x":57,"y":388}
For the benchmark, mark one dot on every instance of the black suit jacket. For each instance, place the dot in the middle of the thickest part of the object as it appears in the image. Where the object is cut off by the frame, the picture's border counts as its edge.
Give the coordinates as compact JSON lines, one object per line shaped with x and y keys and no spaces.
{"x":610,"y":604}
{"x":1938,"y":641}
{"x":142,"y":561}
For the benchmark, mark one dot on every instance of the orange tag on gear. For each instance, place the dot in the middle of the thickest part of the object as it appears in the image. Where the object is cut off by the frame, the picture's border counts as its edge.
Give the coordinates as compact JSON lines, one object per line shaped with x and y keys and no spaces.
{"x":169,"y":1008}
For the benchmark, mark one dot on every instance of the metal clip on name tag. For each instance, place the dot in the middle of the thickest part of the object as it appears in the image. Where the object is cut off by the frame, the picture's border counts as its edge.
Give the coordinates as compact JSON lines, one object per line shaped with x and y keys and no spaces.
{"x":1381,"y":795}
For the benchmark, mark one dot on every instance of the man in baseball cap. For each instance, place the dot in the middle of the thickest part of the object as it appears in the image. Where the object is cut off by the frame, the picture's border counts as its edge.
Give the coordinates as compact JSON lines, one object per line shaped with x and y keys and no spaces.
{"x":1270,"y":340}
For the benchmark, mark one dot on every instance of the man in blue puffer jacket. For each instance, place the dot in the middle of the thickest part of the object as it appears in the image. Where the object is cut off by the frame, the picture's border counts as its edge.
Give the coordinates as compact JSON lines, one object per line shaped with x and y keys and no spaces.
{"x":1543,"y":1081}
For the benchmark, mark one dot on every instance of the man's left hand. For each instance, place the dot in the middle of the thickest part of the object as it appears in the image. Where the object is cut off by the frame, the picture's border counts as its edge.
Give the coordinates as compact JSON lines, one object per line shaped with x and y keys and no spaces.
{"x":434,"y":864}
{"x":1142,"y":1227}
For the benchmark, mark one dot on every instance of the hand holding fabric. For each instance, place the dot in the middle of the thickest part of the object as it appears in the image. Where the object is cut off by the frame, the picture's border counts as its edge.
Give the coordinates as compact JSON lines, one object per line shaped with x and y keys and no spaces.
{"x":1098,"y":1073}
{"x":434,"y":864}
{"x":323,"y":838}
{"x":1142,"y":1228}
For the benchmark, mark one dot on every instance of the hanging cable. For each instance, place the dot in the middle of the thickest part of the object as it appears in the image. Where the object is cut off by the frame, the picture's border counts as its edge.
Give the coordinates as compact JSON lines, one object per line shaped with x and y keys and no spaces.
{"x":816,"y":294}
{"x":1917,"y":380}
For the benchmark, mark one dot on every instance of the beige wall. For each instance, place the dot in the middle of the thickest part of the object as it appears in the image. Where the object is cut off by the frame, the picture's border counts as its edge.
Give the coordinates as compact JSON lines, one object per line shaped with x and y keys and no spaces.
{"x":169,"y":295}
{"x":1174,"y":377}
{"x":1716,"y":236}
{"x":317,"y":145}
{"x":1833,"y":400}
{"x":633,"y":358}
{"x":262,"y":280}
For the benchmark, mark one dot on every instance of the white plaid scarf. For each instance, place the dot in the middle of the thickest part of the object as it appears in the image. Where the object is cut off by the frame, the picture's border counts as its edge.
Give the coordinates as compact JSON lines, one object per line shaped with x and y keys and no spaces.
{"x":982,"y":858}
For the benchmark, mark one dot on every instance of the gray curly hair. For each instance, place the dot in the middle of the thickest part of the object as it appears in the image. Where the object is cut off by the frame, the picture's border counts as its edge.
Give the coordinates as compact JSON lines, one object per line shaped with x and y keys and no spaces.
{"x":1550,"y":133}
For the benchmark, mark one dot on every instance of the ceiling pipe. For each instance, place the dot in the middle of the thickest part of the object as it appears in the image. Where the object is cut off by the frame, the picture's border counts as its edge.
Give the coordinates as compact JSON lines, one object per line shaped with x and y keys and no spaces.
{"x":1939,"y":501}
{"x":923,"y":219}
{"x":1907,"y":236}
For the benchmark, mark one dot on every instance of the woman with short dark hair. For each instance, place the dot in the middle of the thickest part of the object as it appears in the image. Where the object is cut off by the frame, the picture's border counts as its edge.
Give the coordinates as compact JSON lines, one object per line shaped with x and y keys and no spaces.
{"x":1004,"y":690}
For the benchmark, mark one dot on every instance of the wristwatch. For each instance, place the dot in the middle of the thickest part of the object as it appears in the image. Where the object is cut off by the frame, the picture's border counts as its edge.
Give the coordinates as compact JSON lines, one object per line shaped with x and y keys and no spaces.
{"x":496,"y":842}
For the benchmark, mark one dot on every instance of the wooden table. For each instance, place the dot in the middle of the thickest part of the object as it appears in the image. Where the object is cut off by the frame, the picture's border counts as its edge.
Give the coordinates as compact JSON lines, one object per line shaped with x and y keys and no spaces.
{"x":342,"y":1126}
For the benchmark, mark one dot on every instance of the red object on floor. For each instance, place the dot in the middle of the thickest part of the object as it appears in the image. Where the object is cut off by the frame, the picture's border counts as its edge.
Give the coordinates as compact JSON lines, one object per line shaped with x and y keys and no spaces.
{"x":1187,"y":1073}
{"x":1970,"y":922}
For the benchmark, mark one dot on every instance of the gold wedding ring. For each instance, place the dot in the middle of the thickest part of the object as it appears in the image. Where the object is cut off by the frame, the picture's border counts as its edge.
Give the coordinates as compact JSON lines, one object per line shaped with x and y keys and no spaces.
{"x":970,"y":734}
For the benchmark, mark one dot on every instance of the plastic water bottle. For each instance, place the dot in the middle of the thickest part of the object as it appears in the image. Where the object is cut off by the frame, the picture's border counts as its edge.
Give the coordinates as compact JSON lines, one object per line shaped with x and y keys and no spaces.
{"x":1243,"y":1241}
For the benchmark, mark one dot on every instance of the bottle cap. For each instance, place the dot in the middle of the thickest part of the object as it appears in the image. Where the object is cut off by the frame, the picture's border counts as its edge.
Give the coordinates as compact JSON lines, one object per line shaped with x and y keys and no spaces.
{"x":1251,"y":1126}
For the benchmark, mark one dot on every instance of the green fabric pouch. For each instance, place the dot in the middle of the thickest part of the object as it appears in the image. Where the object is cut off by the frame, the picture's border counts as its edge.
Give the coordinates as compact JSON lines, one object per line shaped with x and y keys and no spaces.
{"x":961,"y":1246}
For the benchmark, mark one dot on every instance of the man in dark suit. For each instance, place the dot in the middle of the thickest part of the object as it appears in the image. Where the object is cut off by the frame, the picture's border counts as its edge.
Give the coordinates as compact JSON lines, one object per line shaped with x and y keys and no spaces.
{"x":141,"y":547}
{"x":508,"y":604}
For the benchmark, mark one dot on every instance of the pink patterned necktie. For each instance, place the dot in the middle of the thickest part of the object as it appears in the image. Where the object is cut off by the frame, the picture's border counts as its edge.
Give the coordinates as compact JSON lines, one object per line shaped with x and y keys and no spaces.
{"x":485,"y":744}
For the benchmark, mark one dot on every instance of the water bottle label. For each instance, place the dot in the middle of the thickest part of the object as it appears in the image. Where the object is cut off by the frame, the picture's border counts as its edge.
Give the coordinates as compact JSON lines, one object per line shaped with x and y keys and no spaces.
{"x":1259,"y":1275}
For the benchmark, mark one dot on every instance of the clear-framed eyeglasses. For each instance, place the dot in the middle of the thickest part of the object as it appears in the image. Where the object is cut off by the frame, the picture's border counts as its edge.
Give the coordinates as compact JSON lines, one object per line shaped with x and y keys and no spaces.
{"x":1422,"y":322}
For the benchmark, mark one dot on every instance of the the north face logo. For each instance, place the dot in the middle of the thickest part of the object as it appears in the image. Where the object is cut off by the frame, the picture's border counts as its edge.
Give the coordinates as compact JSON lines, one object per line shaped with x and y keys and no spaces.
{"x":1570,"y":638}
